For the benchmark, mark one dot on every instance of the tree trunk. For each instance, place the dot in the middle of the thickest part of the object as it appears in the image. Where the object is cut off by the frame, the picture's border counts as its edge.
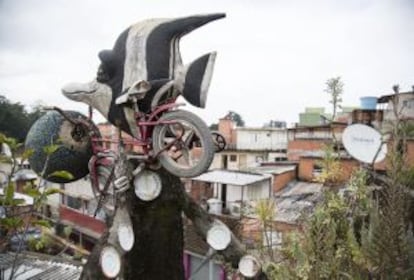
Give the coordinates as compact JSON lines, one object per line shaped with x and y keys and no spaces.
{"x":158,"y":230}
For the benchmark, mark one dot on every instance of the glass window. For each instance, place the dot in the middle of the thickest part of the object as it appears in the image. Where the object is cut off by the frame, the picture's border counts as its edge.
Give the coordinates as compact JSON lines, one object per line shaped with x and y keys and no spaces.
{"x":73,"y":202}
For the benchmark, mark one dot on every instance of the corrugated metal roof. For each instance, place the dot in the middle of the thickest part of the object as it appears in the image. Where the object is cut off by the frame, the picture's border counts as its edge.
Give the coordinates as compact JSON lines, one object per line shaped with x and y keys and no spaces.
{"x":230,"y":177}
{"x":299,"y":188}
{"x":39,"y":267}
{"x":296,"y":199}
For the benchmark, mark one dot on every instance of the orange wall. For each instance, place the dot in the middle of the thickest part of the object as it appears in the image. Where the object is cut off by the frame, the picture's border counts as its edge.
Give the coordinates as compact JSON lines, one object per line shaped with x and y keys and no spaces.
{"x":297,"y":147}
{"x":226,"y":127}
{"x":281,"y":180}
{"x":199,"y":190}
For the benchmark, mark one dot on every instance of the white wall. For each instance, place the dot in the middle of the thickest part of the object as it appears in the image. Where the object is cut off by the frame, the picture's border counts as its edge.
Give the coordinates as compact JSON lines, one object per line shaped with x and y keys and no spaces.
{"x":261,"y":139}
{"x":405,"y":106}
{"x":256,"y":191}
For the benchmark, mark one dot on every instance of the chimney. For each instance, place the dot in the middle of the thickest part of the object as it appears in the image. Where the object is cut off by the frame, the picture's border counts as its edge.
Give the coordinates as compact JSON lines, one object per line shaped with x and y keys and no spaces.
{"x":226,"y":128}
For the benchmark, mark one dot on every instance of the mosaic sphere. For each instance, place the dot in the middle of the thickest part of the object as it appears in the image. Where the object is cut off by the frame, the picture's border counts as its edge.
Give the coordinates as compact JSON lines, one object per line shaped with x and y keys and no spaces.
{"x":75,"y":146}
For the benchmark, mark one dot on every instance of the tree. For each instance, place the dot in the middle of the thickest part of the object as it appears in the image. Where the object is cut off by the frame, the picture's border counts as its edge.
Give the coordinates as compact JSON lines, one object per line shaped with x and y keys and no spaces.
{"x":213,"y":127}
{"x":15,"y":121}
{"x":334,"y":87}
{"x":236,"y":117}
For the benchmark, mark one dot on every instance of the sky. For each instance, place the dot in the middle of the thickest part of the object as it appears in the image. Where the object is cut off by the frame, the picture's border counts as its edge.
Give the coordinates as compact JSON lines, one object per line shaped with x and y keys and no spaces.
{"x":274,"y":57}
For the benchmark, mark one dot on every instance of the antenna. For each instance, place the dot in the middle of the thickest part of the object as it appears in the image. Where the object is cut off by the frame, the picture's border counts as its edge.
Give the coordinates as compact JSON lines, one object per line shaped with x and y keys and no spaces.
{"x":364,"y":143}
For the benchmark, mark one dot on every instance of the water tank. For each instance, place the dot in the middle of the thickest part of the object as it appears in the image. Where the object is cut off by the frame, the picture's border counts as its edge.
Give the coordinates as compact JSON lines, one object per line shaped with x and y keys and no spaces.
{"x":215,"y":206}
{"x":368,"y":102}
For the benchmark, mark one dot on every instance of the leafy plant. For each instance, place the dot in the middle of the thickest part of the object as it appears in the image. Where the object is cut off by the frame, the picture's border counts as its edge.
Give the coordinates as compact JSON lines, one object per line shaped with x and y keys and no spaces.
{"x":331,"y":167}
{"x":266,"y":211}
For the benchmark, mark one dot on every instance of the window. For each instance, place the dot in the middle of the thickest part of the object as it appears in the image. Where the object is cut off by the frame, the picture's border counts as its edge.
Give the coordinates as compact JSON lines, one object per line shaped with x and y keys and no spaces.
{"x":408,"y":104}
{"x":204,"y":270}
{"x":272,"y":238}
{"x":233,"y":158}
{"x":317,"y":170}
{"x":73,"y":202}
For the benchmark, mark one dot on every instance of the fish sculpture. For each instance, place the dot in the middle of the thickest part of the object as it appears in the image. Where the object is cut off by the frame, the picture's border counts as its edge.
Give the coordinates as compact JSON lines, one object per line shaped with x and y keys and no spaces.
{"x":146,"y":51}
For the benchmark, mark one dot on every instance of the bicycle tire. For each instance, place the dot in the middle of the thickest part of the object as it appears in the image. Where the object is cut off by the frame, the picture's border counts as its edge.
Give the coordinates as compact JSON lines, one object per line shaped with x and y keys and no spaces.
{"x":186,"y":120}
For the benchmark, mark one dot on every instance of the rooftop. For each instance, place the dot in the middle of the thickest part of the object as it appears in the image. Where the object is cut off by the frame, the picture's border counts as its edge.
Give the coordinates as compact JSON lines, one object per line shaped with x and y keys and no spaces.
{"x":269,"y":169}
{"x":388,"y":97}
{"x":39,"y":267}
{"x":296,"y":199}
{"x":230,"y":177}
{"x":28,"y":200}
{"x":24,"y":175}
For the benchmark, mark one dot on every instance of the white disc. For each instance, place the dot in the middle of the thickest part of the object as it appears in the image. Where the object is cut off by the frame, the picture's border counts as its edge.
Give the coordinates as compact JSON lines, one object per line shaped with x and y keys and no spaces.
{"x":147,"y":185}
{"x":218,"y":237}
{"x":249,"y":266}
{"x":110,"y":262}
{"x":363,"y":143}
{"x":126,"y":237}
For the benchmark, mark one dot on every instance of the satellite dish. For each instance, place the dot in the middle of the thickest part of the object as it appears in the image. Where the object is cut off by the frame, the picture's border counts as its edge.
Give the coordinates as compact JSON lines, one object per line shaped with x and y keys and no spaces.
{"x":147,"y":185}
{"x":364,"y":143}
{"x":110,"y":262}
{"x":218,"y":237}
{"x":126,"y":237}
{"x":249,"y":266}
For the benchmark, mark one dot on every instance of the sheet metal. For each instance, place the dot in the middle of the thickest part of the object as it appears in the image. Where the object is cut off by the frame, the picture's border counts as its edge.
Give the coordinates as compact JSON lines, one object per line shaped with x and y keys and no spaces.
{"x":229,"y":177}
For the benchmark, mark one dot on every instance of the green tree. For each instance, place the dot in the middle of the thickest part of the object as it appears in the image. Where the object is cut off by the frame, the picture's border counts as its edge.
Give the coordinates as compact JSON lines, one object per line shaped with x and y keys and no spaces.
{"x":335,"y":88}
{"x":213,"y":127}
{"x":15,"y":121}
{"x":236,"y":117}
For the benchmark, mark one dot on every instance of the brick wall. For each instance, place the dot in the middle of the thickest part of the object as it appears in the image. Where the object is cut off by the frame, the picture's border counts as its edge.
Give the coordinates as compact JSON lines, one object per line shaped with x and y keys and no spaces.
{"x":306,"y":168}
{"x":199,"y":190}
{"x":281,"y":180}
{"x":297,"y":147}
{"x":226,"y":128}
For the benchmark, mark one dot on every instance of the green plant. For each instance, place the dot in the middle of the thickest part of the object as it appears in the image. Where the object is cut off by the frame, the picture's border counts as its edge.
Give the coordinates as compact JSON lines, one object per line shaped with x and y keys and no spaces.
{"x":331,"y":167}
{"x":16,"y":220}
{"x":266,"y":210}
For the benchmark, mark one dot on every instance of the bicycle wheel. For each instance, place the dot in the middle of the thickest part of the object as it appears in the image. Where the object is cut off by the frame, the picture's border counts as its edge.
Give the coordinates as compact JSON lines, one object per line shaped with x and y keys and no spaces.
{"x":219,"y":141}
{"x":185,"y":147}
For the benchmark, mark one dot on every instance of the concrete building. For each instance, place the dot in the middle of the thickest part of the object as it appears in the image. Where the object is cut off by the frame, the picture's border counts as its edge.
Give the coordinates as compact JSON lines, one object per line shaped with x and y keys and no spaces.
{"x":248,"y":147}
{"x":226,"y":191}
{"x":303,"y":140}
{"x":313,"y":116}
{"x":401,"y":103}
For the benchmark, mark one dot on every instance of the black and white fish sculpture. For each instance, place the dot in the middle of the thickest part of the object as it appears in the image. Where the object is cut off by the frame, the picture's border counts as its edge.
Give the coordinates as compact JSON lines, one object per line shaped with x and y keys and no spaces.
{"x":146,"y":51}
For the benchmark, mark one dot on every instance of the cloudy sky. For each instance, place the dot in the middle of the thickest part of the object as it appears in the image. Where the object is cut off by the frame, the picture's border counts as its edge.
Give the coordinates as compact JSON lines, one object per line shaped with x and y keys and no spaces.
{"x":274,"y":57}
